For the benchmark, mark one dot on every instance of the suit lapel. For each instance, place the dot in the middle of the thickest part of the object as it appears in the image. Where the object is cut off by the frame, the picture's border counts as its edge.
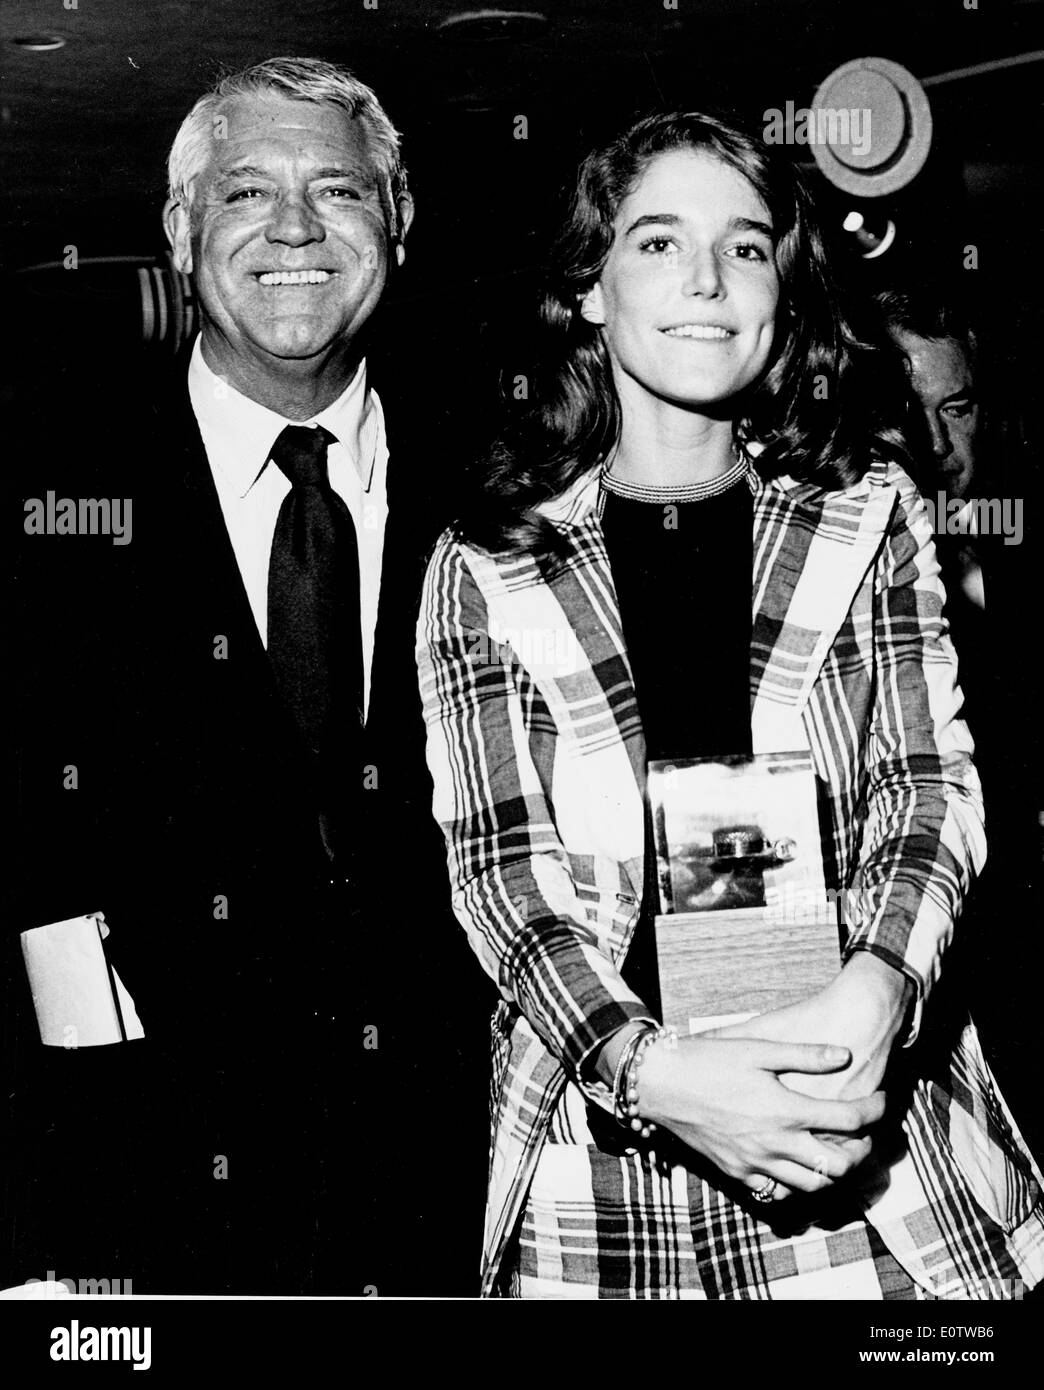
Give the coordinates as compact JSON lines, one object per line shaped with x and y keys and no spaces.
{"x":197,"y":525}
{"x":207,"y":596}
{"x":418,"y":508}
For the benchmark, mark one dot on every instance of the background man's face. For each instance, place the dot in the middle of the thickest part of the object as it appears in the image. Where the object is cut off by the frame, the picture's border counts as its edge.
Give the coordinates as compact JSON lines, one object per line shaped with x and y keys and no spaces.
{"x":941,"y":377}
{"x":286,"y":236}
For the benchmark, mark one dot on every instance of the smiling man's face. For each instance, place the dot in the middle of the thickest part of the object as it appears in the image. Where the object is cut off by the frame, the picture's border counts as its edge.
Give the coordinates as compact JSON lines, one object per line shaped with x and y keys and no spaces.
{"x":286,"y":236}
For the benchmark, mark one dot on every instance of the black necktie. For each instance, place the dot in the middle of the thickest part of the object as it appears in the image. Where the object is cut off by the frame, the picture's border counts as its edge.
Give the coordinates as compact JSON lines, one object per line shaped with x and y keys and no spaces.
{"x":314,"y":632}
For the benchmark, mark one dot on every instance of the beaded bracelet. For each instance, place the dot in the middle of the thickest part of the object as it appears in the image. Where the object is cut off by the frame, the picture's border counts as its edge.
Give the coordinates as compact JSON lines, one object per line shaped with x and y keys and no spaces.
{"x":632,"y":1058}
{"x":620,"y":1075}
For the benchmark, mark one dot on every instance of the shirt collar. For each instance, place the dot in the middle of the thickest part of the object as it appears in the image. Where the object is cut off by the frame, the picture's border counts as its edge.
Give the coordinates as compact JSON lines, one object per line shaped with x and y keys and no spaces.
{"x":240,"y":433}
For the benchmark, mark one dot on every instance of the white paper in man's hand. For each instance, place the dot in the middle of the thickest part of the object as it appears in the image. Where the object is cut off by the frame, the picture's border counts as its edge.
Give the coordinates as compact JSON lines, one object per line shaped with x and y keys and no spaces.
{"x":71,"y":988}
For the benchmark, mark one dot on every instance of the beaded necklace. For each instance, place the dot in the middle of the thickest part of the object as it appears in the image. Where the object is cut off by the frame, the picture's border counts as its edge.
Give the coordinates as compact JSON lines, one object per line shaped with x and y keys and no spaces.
{"x":669,"y":492}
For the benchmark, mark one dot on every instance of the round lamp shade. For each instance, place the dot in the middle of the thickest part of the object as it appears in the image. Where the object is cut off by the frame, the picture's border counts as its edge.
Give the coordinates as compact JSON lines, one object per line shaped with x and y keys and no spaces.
{"x":884,"y":113}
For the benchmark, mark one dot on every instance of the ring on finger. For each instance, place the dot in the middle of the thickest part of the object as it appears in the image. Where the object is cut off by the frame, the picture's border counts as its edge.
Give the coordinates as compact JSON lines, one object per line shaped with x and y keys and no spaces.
{"x":766,"y":1191}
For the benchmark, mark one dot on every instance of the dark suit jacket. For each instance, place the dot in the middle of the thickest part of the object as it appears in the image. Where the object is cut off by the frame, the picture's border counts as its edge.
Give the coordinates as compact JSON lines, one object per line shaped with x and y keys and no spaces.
{"x":1003,"y":913}
{"x":284,"y":1125}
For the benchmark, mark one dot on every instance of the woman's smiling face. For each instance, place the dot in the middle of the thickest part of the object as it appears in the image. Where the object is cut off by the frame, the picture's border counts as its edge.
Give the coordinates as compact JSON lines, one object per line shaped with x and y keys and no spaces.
{"x":687,"y":297}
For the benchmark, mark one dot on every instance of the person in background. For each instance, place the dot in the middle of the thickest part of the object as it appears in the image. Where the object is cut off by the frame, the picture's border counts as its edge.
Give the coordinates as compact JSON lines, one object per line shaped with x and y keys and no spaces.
{"x":939,"y":352}
{"x":965,"y":445}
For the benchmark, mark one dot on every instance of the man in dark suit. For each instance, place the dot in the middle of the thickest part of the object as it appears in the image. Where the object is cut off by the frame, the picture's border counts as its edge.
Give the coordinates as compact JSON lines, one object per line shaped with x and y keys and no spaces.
{"x":234,"y":687}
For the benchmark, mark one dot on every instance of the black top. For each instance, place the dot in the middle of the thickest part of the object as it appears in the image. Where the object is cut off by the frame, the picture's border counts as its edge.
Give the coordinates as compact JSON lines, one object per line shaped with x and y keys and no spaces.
{"x":682,"y":573}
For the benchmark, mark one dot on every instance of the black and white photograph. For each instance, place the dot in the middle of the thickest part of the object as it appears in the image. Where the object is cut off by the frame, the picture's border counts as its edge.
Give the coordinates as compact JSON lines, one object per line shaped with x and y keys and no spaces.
{"x":481,"y":480}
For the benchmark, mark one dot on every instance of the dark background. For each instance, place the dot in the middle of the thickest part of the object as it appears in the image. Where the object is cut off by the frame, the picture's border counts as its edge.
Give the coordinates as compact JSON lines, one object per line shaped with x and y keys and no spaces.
{"x":85,"y":129}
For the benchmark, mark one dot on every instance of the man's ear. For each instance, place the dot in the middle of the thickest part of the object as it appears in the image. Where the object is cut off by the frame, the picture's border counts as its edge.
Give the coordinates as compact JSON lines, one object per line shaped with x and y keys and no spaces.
{"x":592,"y":306}
{"x":406,"y":209}
{"x":177,"y":225}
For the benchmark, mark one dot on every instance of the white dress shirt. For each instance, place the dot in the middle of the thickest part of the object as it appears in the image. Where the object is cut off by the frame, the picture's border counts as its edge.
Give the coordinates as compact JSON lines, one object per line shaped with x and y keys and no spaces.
{"x":238,"y":435}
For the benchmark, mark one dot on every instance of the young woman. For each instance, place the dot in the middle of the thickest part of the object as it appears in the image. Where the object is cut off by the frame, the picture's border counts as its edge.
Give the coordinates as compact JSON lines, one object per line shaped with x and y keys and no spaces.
{"x":700,"y":542}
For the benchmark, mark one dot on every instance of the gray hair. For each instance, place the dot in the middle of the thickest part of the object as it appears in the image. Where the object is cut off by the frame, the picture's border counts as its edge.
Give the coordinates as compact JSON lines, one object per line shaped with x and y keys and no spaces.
{"x":301,"y":79}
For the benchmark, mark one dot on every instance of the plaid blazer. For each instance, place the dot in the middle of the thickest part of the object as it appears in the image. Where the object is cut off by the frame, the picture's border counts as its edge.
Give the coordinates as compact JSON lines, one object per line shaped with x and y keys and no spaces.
{"x":538,"y":761}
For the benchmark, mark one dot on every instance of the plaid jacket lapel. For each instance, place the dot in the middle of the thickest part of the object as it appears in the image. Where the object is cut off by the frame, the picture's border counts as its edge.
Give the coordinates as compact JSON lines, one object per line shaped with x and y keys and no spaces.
{"x":565,"y":626}
{"x":811,"y":552}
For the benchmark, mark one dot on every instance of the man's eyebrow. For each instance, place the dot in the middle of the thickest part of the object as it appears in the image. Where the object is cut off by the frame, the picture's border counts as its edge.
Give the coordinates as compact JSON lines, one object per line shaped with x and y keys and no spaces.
{"x":968,"y":394}
{"x":330,"y":171}
{"x":241,"y":171}
{"x":346,"y":171}
{"x":671,"y":219}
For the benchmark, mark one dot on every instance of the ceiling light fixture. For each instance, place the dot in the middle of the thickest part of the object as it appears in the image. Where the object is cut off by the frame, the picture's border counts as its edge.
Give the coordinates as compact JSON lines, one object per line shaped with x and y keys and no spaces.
{"x":493,"y":25}
{"x":38,"y":43}
{"x":873,"y":238}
